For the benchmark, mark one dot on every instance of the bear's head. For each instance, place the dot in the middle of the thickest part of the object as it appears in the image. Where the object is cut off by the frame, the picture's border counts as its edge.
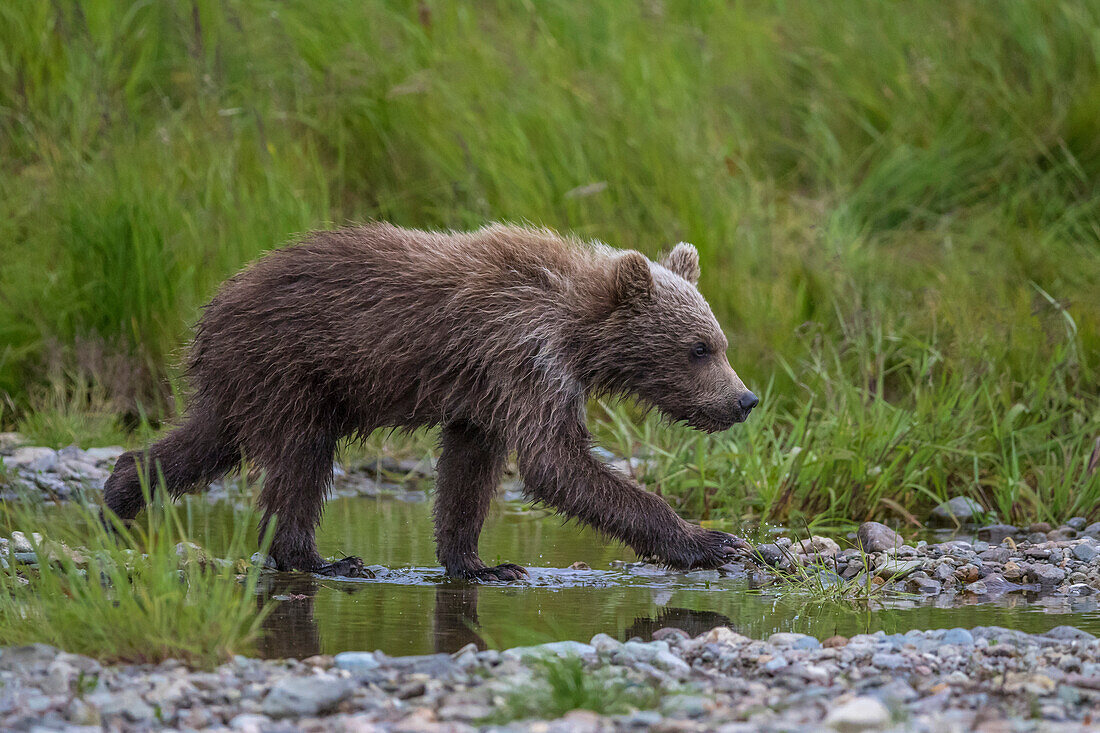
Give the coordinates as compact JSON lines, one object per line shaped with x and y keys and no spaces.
{"x":664,"y":344}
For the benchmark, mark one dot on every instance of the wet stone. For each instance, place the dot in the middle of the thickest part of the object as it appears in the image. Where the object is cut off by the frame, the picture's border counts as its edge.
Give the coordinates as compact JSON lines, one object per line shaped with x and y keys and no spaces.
{"x":877,"y":537}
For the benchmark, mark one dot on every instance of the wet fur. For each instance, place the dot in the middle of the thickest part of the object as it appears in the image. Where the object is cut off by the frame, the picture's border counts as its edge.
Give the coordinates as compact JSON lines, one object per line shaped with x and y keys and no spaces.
{"x":499,"y":336}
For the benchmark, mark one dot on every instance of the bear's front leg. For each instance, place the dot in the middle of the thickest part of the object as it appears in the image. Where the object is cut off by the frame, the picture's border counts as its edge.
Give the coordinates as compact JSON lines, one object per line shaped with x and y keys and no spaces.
{"x":567,"y":476}
{"x":471,"y":462}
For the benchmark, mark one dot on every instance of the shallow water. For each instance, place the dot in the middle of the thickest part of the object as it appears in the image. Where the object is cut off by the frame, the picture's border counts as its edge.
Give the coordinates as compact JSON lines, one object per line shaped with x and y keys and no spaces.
{"x":411,"y":608}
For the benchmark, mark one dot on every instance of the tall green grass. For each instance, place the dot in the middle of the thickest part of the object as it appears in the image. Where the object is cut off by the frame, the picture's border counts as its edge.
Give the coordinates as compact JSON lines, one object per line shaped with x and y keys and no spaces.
{"x":896,"y":204}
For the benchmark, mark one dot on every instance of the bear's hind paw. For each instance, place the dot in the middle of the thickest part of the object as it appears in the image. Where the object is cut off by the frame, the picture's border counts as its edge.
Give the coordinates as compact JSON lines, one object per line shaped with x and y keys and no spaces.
{"x":505,"y":572}
{"x":348,"y":567}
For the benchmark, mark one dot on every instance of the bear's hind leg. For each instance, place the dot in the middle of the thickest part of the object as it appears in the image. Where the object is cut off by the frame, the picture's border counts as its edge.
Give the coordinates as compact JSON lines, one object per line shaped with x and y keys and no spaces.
{"x":293,"y":496}
{"x":193,"y":453}
{"x":470,"y":466}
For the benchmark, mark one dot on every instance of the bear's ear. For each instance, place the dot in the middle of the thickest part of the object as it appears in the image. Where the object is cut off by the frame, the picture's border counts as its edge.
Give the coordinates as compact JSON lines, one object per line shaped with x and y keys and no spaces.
{"x":633,"y":280}
{"x":684,"y":261}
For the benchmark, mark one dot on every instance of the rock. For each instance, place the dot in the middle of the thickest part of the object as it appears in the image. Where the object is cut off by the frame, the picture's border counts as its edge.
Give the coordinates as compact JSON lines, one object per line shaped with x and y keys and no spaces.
{"x":996,"y":533}
{"x":877,"y":537}
{"x":104,"y":455}
{"x":553,"y":649}
{"x":1069,"y":633}
{"x":771,"y":554}
{"x":1085,"y":551}
{"x":37,"y":460}
{"x":603,"y":643}
{"x":11,"y":441}
{"x":1076,"y":523}
{"x":125,"y":703}
{"x":250,"y":723}
{"x":926,"y":586}
{"x":893,"y":568}
{"x":858,"y":714}
{"x":656,"y":653}
{"x":958,"y":637}
{"x":957,"y":510}
{"x":356,"y":662}
{"x":1047,"y":575}
{"x":725,"y":636}
{"x":817,"y":547}
{"x":264,"y":561}
{"x":580,"y":565}
{"x":1093,"y":530}
{"x":669,"y":634}
{"x":835,"y":642}
{"x":794,"y":641}
{"x":30,"y":657}
{"x":301,"y":696}
{"x":1039,"y":527}
{"x":20,"y":543}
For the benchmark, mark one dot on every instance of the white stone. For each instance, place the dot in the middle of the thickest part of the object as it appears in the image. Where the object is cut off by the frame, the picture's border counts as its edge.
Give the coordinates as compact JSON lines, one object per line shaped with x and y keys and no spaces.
{"x":858,"y":714}
{"x":33,"y":459}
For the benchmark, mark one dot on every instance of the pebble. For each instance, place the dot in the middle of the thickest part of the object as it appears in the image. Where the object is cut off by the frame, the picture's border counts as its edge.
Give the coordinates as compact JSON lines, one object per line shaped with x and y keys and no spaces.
{"x":858,"y":714}
{"x":788,"y":682}
{"x":305,"y":696}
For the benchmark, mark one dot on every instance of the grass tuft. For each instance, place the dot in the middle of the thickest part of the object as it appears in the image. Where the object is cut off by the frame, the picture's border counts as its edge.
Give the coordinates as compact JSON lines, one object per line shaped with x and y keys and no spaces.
{"x":563,"y":684}
{"x":132,"y":598}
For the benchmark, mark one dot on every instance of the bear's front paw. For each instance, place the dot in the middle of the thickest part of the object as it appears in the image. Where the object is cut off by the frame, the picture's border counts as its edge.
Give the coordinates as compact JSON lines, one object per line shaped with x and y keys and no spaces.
{"x":708,"y":548}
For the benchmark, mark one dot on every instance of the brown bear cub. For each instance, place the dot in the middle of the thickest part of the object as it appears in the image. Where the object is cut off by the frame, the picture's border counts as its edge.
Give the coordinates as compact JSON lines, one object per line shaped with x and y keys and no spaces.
{"x":499,"y":336}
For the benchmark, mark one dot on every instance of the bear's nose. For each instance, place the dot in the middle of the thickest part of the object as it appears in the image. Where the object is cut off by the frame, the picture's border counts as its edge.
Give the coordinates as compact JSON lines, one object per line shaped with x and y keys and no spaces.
{"x":748,"y":401}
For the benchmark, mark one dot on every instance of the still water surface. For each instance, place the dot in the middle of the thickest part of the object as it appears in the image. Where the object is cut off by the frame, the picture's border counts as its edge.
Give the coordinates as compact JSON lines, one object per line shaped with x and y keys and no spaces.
{"x":411,"y":608}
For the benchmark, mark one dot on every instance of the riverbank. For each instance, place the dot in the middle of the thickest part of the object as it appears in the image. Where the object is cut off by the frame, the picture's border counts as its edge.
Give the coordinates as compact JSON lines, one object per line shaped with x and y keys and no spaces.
{"x":947,"y":679}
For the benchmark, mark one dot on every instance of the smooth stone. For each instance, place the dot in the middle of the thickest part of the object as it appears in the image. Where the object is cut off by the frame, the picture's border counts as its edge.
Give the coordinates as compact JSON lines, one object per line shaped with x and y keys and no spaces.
{"x":29,"y":657}
{"x":794,"y":641}
{"x":302,"y":696}
{"x":877,"y":537}
{"x":771,"y":554}
{"x":817,"y":546}
{"x":33,"y":459}
{"x":356,"y":662}
{"x":858,"y":714}
{"x":104,"y":455}
{"x":889,"y":660}
{"x":553,"y":649}
{"x":1077,"y":523}
{"x":1093,"y":530}
{"x":603,"y":643}
{"x":775,"y":664}
{"x":250,"y":723}
{"x":958,"y":509}
{"x":958,"y":637}
{"x":1069,"y":633}
{"x":126,"y":703}
{"x":926,"y":586}
{"x":893,"y":568}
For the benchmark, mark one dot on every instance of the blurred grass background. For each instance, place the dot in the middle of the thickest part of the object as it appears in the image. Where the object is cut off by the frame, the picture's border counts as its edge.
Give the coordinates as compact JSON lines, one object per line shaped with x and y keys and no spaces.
{"x":896,"y":206}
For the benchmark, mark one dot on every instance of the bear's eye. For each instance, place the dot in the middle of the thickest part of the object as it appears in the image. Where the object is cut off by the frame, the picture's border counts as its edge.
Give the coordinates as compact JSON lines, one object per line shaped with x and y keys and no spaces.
{"x":699,"y":350}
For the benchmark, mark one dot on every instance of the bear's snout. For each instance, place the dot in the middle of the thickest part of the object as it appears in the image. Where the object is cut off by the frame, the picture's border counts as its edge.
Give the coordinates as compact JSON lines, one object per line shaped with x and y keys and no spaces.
{"x":747,"y":401}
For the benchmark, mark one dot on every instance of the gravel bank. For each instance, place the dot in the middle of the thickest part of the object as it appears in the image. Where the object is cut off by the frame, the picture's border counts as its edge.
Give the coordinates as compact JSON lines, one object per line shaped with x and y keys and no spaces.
{"x":988,"y":679}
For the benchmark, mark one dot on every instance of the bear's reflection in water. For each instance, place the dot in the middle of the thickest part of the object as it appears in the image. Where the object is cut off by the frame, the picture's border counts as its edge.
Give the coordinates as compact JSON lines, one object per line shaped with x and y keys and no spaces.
{"x":290,"y":629}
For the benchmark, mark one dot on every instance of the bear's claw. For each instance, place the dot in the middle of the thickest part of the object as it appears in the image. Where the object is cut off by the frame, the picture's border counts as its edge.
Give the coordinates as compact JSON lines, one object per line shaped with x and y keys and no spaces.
{"x":348,"y":567}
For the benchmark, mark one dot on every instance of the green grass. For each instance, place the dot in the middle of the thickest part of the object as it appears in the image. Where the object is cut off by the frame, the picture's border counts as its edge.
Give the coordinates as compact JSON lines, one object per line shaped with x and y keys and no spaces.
{"x":127,"y":599}
{"x":567,"y":683}
{"x":895,"y":204}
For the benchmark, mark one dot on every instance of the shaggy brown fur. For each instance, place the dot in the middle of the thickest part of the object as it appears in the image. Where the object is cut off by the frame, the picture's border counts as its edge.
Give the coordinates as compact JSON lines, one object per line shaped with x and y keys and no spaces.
{"x":499,"y":336}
